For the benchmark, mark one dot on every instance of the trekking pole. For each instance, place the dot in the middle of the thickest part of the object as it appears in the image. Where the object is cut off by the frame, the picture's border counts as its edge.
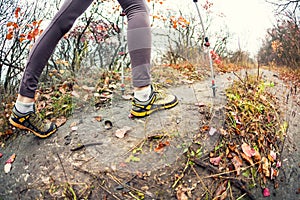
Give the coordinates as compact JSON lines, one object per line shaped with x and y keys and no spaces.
{"x":122,"y":53}
{"x":207,"y":45}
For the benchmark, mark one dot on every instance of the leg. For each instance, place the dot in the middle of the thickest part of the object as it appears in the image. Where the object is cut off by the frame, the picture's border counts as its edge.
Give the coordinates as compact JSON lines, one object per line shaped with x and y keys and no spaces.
{"x":139,"y":40}
{"x":45,"y":45}
{"x":146,"y":98}
{"x":23,"y":115}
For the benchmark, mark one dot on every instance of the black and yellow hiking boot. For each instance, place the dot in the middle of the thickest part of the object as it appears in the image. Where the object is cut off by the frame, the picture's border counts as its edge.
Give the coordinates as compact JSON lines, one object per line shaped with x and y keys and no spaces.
{"x":32,"y":122}
{"x":158,"y":100}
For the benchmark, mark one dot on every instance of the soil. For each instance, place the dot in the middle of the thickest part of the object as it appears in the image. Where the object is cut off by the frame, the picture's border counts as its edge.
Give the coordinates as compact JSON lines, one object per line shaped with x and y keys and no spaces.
{"x":86,"y":158}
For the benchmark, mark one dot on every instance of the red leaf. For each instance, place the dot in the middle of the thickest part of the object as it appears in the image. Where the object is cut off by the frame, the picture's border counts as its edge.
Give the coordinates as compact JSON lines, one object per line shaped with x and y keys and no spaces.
{"x":215,"y":161}
{"x":11,"y":159}
{"x":248,"y":150}
{"x":21,"y":39}
{"x":160,"y":146}
{"x":266,"y":192}
{"x":15,"y":25}
{"x":36,"y":32}
{"x":9,"y":24}
{"x":17,"y":12}
{"x":10,"y":35}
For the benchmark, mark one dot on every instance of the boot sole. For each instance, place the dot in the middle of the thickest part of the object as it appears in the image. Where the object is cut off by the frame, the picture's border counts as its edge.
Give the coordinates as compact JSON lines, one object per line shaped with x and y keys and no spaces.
{"x":147,"y":113}
{"x":28,"y":129}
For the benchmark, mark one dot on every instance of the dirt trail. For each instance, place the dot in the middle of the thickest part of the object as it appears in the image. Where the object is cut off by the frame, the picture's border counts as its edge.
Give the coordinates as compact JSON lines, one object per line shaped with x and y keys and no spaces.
{"x":41,"y":166}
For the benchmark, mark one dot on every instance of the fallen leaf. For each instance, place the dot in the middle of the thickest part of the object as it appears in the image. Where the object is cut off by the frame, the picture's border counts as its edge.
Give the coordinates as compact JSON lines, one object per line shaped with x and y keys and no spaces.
{"x":74,"y":128}
{"x":106,"y":81}
{"x":8,"y":163}
{"x":278,"y":164}
{"x":215,"y":161}
{"x":274,"y":173}
{"x":247,"y":158}
{"x":75,"y":94}
{"x":223,"y":132}
{"x":120,"y":133}
{"x":98,"y":118}
{"x":212,"y":131}
{"x":181,"y":194}
{"x":160,"y":147}
{"x":266,"y":192}
{"x":1,"y":155}
{"x":60,"y":121}
{"x":199,"y":104}
{"x":257,"y":156}
{"x":237,"y":163}
{"x":221,"y":192}
{"x":73,"y":124}
{"x":11,"y":159}
{"x":7,"y":167}
{"x":248,"y":151}
{"x":265,"y":166}
{"x":205,"y":128}
{"x":272,"y":156}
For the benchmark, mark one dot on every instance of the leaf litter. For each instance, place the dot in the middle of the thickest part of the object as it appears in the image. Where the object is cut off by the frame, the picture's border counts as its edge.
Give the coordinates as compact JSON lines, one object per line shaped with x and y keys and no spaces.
{"x":251,"y":141}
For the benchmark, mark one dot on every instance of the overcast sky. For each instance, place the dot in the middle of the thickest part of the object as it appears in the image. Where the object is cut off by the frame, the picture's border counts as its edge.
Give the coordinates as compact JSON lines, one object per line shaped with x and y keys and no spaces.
{"x":247,"y":20}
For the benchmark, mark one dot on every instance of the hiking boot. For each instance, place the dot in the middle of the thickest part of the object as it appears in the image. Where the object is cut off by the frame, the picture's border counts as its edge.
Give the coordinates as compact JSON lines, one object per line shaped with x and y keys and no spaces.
{"x":158,"y":100}
{"x":31,"y":121}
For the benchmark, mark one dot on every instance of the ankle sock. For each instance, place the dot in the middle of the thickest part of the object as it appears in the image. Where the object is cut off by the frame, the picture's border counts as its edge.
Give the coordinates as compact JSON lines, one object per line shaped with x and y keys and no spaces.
{"x":144,"y":94}
{"x":24,"y":107}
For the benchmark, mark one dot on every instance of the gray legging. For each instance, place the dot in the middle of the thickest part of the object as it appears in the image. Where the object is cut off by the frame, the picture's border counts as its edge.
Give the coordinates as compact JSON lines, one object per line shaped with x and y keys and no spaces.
{"x":138,"y":37}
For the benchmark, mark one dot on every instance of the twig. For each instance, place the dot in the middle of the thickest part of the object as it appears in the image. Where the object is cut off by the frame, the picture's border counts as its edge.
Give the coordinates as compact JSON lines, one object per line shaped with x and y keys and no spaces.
{"x":97,"y":179}
{"x":235,"y":182}
{"x":239,"y":78}
{"x":62,"y":166}
{"x":182,"y":174}
{"x":201,"y":180}
{"x":116,"y":180}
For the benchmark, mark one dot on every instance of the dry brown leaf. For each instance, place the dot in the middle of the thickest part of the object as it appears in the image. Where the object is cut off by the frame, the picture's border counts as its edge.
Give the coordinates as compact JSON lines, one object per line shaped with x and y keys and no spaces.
{"x":120,"y":133}
{"x":257,"y":156}
{"x":160,"y":147}
{"x":247,"y":158}
{"x":232,"y":147}
{"x":205,"y":128}
{"x":248,"y":151}
{"x":181,"y":193}
{"x":60,"y":121}
{"x":221,"y":192}
{"x":265,"y":166}
{"x":98,"y":118}
{"x":274,"y":173}
{"x":237,"y":163}
{"x":73,"y":124}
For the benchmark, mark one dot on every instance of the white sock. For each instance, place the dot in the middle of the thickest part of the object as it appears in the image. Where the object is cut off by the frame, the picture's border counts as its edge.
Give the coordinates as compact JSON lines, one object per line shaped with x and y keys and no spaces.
{"x":144,"y":94}
{"x":24,"y":107}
